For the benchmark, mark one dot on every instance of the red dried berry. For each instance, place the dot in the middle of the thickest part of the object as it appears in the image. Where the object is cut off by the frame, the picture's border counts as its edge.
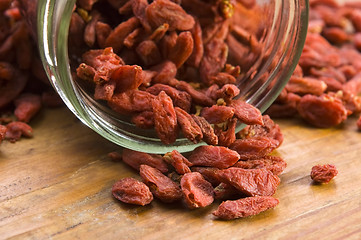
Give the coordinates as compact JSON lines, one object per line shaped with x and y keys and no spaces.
{"x":269,"y":129}
{"x":252,"y":182}
{"x":165,"y":118}
{"x":160,"y":185}
{"x":323,"y":173}
{"x":323,"y":111}
{"x":213,"y":156}
{"x":217,"y":114}
{"x":209,"y":173}
{"x":17,"y":129}
{"x":225,"y":191}
{"x":196,"y":190}
{"x":246,"y":113}
{"x":207,"y":130}
{"x":132,"y":191}
{"x":135,"y":159}
{"x":3,"y":130}
{"x":245,"y":207}
{"x":27,"y":105}
{"x":272,"y":163}
{"x":189,"y":127}
{"x":252,"y":148}
{"x":178,"y":161}
{"x":165,"y":11}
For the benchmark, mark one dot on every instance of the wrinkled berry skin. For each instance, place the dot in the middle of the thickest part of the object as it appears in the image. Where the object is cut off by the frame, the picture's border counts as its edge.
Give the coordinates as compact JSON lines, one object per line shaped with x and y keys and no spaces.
{"x":244,"y":207}
{"x":323,"y":173}
{"x":132,"y":191}
{"x":196,"y":190}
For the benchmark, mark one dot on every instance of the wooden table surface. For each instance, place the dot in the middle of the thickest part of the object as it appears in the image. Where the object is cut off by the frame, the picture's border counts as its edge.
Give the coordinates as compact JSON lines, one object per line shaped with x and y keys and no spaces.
{"x":58,"y":186}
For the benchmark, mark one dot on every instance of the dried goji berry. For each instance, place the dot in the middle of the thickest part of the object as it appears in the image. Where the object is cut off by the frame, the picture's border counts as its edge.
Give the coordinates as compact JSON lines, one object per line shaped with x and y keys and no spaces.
{"x":90,"y":31}
{"x":323,"y":111}
{"x":131,"y":101}
{"x":130,"y":190}
{"x":252,"y":182}
{"x":127,"y":78}
{"x":213,"y":156}
{"x":104,"y":62}
{"x":226,"y":191}
{"x":246,"y":113}
{"x":102,"y":31}
{"x":178,"y":161}
{"x":27,"y":105}
{"x":165,"y":118}
{"x":198,"y":97}
{"x":245,"y":207}
{"x":182,"y":49}
{"x":116,"y":38}
{"x":208,"y":132}
{"x":227,"y":92}
{"x":198,"y":49}
{"x":3,"y":130}
{"x":272,"y":163}
{"x":228,"y":136}
{"x":180,"y":98}
{"x":189,"y":127}
{"x":160,"y":185}
{"x":149,"y":53}
{"x":144,"y":119}
{"x":196,"y":190}
{"x":217,"y":114}
{"x":354,"y":84}
{"x":17,"y":129}
{"x":159,"y":33}
{"x":252,"y":148}
{"x":269,"y":129}
{"x":135,"y":159}
{"x":323,"y":173}
{"x":306,"y":85}
{"x":139,"y":9}
{"x":165,"y":11}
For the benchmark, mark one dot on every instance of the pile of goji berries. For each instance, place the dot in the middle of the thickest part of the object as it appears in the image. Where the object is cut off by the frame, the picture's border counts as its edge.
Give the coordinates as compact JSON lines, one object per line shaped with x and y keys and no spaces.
{"x":244,"y":175}
{"x":24,"y":87}
{"x":166,"y":65}
{"x":324,"y":90}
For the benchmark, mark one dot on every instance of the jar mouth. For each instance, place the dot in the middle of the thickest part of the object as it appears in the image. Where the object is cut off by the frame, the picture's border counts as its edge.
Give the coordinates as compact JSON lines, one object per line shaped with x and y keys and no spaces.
{"x":259,"y":85}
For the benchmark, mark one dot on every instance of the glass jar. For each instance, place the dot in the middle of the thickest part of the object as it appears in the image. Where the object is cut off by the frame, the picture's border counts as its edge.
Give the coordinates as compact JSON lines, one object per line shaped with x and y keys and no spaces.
{"x":281,"y":32}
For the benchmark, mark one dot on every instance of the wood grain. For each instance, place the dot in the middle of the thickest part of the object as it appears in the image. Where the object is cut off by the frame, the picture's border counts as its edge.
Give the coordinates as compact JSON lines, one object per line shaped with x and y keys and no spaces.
{"x":57,"y":186}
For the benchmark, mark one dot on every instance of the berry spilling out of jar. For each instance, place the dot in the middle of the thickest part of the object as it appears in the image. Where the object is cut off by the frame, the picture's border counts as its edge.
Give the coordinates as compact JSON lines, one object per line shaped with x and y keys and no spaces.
{"x":168,"y":65}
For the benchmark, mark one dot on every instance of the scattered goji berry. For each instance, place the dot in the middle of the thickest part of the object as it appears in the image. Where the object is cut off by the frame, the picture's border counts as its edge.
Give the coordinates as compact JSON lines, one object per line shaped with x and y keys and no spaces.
{"x":323,"y":173}
{"x":15,"y":130}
